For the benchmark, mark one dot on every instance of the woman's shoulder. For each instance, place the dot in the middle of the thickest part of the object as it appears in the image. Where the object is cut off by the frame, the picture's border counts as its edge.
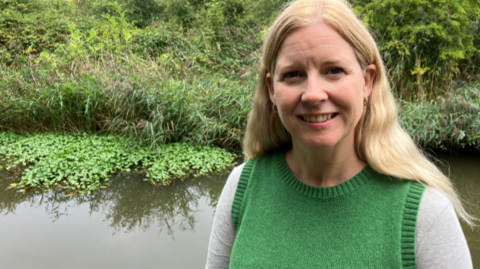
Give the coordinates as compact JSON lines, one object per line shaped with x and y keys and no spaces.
{"x":232,"y":182}
{"x":433,"y":204}
{"x":235,"y":174}
{"x":440,"y":241}
{"x":434,"y":200}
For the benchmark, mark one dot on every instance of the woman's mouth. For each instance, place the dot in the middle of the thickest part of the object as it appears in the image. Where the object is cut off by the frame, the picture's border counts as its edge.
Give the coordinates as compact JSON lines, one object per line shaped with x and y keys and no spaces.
{"x":319,"y":118}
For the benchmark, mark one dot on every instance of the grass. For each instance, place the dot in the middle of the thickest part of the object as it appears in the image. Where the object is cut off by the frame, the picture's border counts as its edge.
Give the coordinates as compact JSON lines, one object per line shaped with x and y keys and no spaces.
{"x":447,"y":123}
{"x":124,"y":94}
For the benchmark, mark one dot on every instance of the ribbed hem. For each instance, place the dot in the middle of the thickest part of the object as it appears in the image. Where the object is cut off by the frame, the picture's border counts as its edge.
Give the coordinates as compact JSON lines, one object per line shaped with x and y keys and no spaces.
{"x":409,"y":224}
{"x":240,"y":192}
{"x":339,"y":190}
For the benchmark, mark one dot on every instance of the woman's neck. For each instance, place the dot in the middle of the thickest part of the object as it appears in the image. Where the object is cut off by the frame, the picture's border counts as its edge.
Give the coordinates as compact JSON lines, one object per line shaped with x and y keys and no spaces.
{"x":324,"y":168}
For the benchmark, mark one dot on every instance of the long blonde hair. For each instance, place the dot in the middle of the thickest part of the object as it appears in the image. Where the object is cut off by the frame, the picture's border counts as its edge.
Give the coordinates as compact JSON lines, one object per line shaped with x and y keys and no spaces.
{"x":379,"y":138}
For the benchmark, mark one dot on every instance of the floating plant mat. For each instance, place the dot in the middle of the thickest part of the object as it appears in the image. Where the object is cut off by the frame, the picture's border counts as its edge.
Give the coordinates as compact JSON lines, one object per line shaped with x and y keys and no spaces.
{"x":84,"y":161}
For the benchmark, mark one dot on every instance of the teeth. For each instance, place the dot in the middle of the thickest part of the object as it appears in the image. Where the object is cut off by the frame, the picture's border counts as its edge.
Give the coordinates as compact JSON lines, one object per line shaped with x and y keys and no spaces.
{"x":319,"y":118}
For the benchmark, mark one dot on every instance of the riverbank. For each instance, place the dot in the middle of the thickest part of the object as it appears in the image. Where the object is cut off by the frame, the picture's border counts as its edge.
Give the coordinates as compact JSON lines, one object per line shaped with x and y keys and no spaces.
{"x":82,"y":162}
{"x":149,"y":130}
{"x":204,"y":111}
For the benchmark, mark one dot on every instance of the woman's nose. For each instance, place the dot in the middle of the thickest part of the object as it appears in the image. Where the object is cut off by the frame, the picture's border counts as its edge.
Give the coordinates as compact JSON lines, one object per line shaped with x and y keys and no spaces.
{"x":314,"y":91}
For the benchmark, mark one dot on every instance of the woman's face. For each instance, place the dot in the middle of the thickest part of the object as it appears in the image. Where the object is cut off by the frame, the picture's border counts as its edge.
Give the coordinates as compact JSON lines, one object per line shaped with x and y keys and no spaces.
{"x":319,"y":88}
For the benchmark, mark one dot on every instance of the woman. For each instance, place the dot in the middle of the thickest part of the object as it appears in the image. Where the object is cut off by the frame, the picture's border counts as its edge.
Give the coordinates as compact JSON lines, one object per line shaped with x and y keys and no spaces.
{"x":331,"y":179}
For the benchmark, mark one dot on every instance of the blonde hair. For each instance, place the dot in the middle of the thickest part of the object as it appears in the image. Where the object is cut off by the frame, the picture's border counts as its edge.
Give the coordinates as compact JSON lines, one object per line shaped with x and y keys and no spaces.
{"x":379,"y":138}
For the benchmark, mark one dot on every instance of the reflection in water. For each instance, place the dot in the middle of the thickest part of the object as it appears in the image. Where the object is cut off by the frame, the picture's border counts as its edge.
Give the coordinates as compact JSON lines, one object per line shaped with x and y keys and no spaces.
{"x":128,"y":204}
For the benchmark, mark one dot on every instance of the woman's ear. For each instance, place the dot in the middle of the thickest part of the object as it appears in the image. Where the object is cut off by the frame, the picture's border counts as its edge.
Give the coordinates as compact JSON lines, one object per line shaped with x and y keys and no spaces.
{"x":271,"y":91}
{"x":369,"y":74}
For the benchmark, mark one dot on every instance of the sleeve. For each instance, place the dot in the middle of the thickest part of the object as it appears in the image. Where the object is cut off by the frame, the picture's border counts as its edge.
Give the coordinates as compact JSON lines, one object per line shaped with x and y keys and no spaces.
{"x":223,"y":229}
{"x":440,"y":242}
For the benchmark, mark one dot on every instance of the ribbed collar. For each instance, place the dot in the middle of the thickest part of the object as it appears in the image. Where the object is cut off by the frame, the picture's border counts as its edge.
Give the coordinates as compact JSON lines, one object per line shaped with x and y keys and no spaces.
{"x":345,"y":188}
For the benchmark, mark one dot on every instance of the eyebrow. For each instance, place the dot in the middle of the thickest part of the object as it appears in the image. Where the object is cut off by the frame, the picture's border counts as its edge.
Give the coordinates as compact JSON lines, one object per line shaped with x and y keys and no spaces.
{"x":333,"y":62}
{"x":293,"y":64}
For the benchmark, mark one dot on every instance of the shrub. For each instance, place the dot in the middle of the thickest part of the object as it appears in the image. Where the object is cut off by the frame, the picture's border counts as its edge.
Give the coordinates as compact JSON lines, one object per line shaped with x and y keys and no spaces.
{"x":24,"y":6}
{"x":142,"y":12}
{"x":24,"y":34}
{"x":423,"y":42}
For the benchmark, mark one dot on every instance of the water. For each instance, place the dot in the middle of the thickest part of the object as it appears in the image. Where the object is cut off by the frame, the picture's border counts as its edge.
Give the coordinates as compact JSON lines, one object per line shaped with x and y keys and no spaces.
{"x":465,"y":173}
{"x":129,"y":225}
{"x":133,"y":224}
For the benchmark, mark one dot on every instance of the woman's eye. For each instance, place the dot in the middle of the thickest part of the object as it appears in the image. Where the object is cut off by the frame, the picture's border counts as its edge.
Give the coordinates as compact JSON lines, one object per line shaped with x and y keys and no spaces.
{"x":292,"y":74}
{"x":336,"y":71}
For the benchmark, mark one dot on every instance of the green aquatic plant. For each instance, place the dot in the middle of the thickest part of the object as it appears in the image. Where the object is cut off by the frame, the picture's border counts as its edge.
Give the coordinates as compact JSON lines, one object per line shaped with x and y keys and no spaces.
{"x":84,"y":161}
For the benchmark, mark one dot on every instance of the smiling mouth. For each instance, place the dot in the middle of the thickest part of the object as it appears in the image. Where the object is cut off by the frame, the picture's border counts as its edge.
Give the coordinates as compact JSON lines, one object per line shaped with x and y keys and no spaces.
{"x":319,"y":118}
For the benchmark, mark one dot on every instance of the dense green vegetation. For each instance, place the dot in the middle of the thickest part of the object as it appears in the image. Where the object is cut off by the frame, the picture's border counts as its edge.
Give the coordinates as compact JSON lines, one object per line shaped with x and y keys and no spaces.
{"x":184,"y":71}
{"x":447,"y":123}
{"x":426,"y":44}
{"x":84,"y":162}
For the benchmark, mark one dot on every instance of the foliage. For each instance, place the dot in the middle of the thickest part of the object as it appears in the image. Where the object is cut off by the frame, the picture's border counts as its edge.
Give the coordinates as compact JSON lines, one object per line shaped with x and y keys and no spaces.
{"x":426,"y":45}
{"x":262,"y":12}
{"x":214,"y":19}
{"x":423,"y":42}
{"x":142,"y":12}
{"x":236,"y":13}
{"x":112,"y":33}
{"x":125,"y":96}
{"x":84,"y":161}
{"x":25,"y":34}
{"x":24,"y":6}
{"x":447,"y":123}
{"x":62,"y":35}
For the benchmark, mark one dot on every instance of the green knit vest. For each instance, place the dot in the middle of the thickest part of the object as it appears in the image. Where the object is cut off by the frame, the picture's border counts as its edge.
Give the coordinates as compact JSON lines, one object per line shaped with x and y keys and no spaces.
{"x":368,"y":221}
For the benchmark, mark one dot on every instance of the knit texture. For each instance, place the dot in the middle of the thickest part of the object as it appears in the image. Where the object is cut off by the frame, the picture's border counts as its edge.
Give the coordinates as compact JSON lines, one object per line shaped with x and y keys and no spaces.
{"x":368,"y":221}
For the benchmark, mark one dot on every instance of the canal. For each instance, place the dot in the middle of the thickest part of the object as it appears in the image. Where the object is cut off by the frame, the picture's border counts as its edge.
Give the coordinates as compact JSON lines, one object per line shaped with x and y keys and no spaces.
{"x":132,"y":224}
